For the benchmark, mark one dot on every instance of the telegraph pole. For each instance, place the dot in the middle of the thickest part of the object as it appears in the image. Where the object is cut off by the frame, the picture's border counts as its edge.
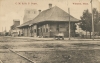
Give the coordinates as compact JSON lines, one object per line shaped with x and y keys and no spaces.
{"x":69,"y":18}
{"x":69,"y":22}
{"x":2,"y":30}
{"x":92,"y":21}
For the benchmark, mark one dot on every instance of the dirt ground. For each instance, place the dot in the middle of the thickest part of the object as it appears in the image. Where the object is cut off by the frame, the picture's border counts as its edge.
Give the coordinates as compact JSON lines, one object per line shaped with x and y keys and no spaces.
{"x":49,"y":51}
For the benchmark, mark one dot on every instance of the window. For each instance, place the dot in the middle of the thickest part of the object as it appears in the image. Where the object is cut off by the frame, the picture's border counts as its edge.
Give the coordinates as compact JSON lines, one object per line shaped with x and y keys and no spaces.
{"x":67,"y":28}
{"x":31,"y":31}
{"x":57,"y":27}
{"x":41,"y":29}
{"x":46,"y":29}
{"x":35,"y":30}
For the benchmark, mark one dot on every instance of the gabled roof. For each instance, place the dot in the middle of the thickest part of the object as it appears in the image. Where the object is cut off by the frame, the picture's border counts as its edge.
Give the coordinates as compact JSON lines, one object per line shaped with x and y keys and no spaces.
{"x":52,"y":14}
{"x":25,"y":24}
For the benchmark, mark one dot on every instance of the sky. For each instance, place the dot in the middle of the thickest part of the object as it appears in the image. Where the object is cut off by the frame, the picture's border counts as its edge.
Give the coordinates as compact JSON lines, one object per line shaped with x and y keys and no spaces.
{"x":11,"y":9}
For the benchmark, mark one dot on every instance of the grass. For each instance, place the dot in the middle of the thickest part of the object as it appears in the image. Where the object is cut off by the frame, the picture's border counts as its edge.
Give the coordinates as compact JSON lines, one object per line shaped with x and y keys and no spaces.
{"x":57,"y":56}
{"x":86,"y":44}
{"x":68,"y":56}
{"x":11,"y":39}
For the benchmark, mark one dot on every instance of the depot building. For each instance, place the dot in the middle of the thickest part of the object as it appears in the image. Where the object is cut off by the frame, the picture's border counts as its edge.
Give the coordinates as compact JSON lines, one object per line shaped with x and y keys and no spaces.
{"x":49,"y":22}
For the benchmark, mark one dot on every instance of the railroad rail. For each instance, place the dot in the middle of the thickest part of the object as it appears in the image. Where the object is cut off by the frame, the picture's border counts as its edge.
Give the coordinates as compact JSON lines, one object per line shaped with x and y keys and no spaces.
{"x":21,"y":55}
{"x":1,"y":61}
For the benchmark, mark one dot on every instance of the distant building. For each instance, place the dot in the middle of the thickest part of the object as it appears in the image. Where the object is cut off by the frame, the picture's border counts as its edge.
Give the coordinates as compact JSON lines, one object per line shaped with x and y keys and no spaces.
{"x":3,"y":33}
{"x":0,"y":33}
{"x":29,"y":14}
{"x":14,"y":31}
{"x":48,"y":23}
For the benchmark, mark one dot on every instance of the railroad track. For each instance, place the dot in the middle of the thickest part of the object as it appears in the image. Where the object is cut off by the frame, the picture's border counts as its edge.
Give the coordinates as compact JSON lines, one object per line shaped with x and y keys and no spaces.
{"x":31,"y":61}
{"x":1,"y":61}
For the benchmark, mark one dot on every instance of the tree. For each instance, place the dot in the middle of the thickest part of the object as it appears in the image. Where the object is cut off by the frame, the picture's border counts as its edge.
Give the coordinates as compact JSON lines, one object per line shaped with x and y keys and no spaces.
{"x":74,"y":28}
{"x":96,"y":19}
{"x":86,"y":22}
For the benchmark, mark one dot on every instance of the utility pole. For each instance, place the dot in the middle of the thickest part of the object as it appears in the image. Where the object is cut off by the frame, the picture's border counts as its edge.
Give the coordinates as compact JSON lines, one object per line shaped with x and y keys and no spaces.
{"x":69,"y":18}
{"x":92,"y":21}
{"x":5,"y":31}
{"x":69,"y":22}
{"x":2,"y":30}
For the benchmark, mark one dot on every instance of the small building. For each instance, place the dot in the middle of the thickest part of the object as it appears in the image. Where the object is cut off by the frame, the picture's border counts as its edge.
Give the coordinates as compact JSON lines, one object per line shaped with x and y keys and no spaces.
{"x":14,"y":31}
{"x":1,"y":34}
{"x":48,"y":23}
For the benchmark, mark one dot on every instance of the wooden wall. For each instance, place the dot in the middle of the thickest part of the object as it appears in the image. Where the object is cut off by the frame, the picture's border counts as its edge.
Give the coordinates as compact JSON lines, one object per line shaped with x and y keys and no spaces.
{"x":48,"y":29}
{"x":43,"y":30}
{"x":60,"y":27}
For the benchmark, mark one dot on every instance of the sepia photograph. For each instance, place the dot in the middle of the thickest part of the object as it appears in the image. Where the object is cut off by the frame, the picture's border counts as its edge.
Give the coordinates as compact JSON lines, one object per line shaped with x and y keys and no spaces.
{"x":49,"y":31}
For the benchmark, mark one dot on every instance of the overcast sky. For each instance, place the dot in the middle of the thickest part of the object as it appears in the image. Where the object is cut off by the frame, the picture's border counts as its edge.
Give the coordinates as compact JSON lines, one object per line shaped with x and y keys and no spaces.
{"x":10,"y":9}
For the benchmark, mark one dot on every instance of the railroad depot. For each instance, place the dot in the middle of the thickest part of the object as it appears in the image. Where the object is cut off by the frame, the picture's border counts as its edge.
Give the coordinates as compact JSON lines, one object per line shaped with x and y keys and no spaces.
{"x":49,"y":22}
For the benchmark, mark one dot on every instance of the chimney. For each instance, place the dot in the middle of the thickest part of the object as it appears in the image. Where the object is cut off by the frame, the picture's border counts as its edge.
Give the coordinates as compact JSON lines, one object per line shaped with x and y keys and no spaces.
{"x":39,"y":11}
{"x":50,"y":5}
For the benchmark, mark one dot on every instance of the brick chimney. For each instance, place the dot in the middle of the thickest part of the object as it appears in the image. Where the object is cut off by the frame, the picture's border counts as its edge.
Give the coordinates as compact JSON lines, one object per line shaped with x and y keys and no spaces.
{"x":39,"y":11}
{"x":50,"y":5}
